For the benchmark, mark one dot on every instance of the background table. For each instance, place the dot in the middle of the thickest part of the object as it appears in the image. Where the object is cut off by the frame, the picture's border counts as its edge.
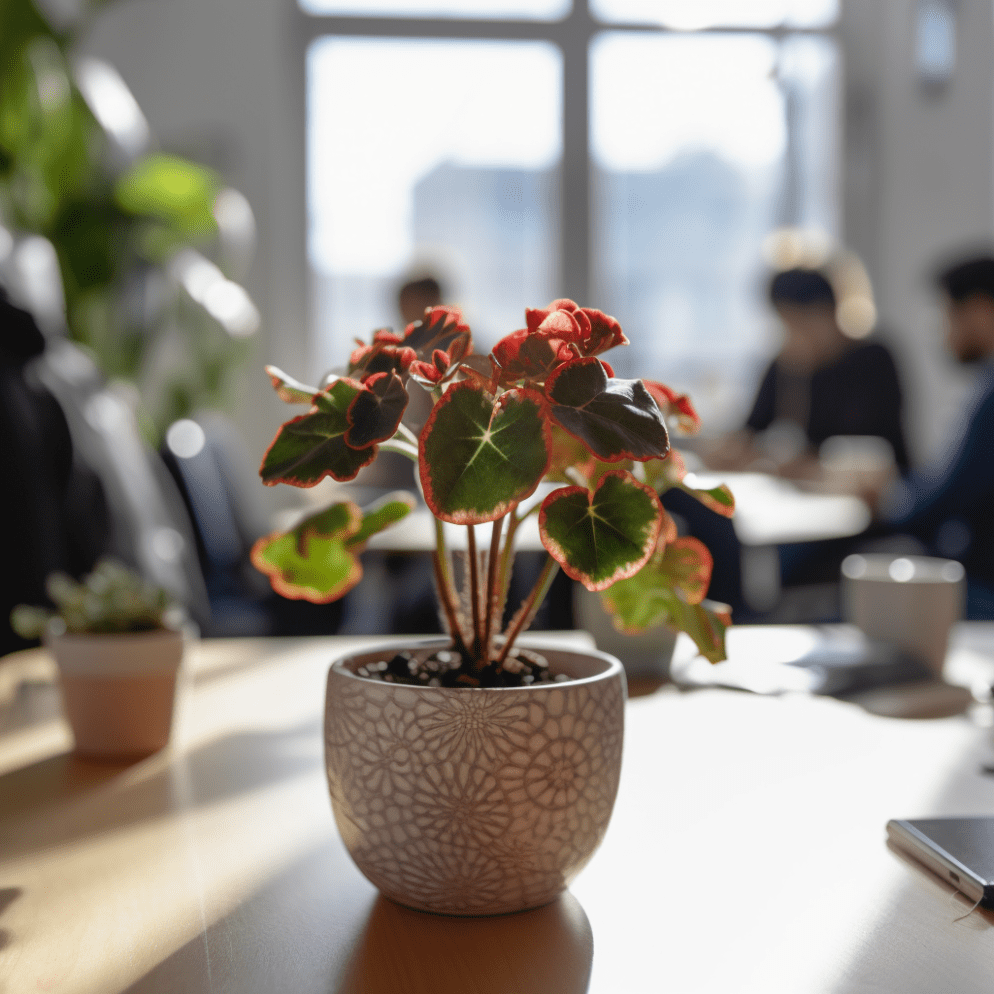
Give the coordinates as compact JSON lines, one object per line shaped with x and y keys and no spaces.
{"x":746,"y":852}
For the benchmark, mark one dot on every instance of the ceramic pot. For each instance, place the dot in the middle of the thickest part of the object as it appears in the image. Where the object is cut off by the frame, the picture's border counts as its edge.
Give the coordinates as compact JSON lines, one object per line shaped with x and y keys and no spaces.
{"x":118,"y":690}
{"x":474,"y":801}
{"x":646,"y":656}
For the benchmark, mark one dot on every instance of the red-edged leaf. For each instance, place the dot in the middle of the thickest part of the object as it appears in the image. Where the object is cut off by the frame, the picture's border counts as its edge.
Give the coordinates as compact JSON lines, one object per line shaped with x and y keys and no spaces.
{"x":687,"y":563}
{"x":478,"y":458}
{"x":317,"y":560}
{"x":311,"y":562}
{"x":443,"y":328}
{"x":375,"y":411}
{"x":676,"y":404}
{"x":600,"y":537}
{"x":313,"y":446}
{"x":369,"y":360}
{"x":615,"y":419}
{"x":665,"y":474}
{"x":669,"y":590}
{"x":289,"y":390}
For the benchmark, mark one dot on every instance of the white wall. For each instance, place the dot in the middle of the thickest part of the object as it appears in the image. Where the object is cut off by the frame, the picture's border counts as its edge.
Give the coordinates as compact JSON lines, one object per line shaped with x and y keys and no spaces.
{"x":920,"y":184}
{"x":225,"y":72}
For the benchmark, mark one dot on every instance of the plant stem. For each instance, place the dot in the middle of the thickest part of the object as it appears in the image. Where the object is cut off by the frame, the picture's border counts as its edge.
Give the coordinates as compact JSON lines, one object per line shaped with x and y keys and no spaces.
{"x":445,"y":596}
{"x":401,"y":447}
{"x":528,"y":607}
{"x":407,"y":434}
{"x":490,"y":607}
{"x":474,"y":590}
{"x":506,"y":559}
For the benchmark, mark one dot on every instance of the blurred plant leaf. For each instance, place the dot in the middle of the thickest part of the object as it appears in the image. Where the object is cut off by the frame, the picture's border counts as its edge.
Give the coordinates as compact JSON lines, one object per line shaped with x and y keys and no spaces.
{"x":318,"y":559}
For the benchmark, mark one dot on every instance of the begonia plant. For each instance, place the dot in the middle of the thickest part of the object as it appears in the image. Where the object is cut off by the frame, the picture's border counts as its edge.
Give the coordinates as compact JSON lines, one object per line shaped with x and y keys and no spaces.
{"x":548,"y":409}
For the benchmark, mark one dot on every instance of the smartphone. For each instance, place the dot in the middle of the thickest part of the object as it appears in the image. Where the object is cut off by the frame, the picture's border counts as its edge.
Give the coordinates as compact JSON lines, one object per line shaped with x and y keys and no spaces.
{"x":960,"y":850}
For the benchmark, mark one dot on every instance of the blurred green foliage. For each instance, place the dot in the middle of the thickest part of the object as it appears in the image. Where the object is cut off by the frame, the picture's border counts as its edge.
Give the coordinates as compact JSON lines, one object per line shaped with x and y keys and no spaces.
{"x":114,"y":225}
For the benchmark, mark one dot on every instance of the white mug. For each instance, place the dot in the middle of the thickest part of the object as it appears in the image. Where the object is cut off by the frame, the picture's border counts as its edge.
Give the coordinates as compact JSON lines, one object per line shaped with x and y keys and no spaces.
{"x":910,"y":602}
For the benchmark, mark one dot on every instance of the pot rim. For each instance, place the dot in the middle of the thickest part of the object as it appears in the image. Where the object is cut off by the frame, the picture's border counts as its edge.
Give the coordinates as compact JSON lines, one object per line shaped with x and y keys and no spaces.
{"x":107,"y":655}
{"x":90,"y":638}
{"x":613,"y":667}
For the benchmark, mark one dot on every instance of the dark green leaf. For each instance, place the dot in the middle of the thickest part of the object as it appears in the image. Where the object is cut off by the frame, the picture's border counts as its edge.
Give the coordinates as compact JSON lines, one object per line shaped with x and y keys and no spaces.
{"x":603,"y":536}
{"x":478,"y":458}
{"x":616,"y":419}
{"x":376,"y":411}
{"x":313,"y":446}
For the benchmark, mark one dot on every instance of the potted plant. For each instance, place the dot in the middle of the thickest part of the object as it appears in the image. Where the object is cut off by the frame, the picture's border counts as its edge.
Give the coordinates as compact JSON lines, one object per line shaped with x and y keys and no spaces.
{"x":118,"y":644}
{"x":468,"y":774}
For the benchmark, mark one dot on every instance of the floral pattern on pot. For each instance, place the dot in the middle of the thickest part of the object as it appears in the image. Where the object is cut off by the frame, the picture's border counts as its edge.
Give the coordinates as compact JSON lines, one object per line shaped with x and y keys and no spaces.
{"x":475,"y":801}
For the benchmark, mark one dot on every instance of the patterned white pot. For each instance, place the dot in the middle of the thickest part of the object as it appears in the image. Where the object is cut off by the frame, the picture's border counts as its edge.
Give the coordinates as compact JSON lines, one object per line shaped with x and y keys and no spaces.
{"x":472,"y":801}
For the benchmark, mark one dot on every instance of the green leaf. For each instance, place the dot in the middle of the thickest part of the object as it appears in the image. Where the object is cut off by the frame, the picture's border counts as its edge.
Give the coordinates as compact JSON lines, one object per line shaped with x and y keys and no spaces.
{"x":385,"y":512}
{"x":289,"y":390}
{"x":170,"y":188}
{"x":616,"y":419}
{"x":318,"y":559}
{"x":311,"y":562}
{"x":603,"y":536}
{"x":313,"y":446}
{"x":706,"y":624}
{"x":665,"y":474}
{"x":680,"y":569}
{"x":479,"y":458}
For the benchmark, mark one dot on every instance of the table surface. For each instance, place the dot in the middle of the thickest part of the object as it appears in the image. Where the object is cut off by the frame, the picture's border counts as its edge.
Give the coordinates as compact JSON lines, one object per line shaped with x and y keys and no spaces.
{"x":746,"y":851}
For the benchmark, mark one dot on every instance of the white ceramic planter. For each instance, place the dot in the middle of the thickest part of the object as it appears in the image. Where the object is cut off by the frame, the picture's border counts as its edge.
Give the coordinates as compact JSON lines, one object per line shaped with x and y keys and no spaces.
{"x":645,"y":656}
{"x":119,"y":690}
{"x":470,"y":801}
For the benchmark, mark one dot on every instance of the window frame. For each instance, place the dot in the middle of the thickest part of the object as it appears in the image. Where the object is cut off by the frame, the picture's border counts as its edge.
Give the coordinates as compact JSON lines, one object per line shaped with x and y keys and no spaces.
{"x":573,"y":35}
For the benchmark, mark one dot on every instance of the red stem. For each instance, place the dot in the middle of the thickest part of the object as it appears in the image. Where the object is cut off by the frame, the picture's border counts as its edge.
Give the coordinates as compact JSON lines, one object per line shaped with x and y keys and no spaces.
{"x":491,"y":607}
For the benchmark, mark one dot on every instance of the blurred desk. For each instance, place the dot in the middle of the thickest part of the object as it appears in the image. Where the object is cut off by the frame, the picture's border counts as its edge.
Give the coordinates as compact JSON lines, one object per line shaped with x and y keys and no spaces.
{"x":773,"y":511}
{"x":746,"y":852}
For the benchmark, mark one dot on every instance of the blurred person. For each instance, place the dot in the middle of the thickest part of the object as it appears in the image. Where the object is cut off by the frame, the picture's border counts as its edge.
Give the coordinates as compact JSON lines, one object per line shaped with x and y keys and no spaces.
{"x":417,"y":294}
{"x":56,"y":507}
{"x":821,"y":384}
{"x":948,"y":505}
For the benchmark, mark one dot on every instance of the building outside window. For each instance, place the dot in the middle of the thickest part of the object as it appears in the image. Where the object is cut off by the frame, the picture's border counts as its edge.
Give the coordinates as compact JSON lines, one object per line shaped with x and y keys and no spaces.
{"x":632,"y":154}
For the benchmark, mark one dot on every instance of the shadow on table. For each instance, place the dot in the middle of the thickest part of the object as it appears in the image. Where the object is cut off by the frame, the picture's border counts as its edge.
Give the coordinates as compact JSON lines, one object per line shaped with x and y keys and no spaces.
{"x":7,"y":896}
{"x":93,"y":797}
{"x":318,"y":927}
{"x":546,"y":951}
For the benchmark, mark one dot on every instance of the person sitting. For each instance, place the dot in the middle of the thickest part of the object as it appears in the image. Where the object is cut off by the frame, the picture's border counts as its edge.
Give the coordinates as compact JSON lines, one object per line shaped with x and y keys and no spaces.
{"x":947,"y":506}
{"x":821,"y":384}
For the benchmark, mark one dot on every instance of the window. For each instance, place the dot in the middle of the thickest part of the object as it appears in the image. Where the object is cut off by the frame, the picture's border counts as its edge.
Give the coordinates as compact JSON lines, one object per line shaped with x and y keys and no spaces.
{"x":627,"y":153}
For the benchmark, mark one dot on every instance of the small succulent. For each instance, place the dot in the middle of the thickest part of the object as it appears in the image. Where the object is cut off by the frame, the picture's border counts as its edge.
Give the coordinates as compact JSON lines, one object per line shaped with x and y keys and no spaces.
{"x":111,"y":600}
{"x":549,"y":409}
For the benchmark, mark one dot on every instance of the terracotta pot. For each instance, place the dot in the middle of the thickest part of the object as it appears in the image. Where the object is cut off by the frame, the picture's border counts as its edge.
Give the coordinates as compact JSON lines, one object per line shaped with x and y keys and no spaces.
{"x":119,"y":690}
{"x":473,"y":801}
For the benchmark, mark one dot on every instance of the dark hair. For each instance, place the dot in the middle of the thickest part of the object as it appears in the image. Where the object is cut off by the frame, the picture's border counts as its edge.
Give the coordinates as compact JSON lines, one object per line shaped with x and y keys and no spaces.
{"x":801,"y":287}
{"x":968,"y":278}
{"x":426,"y":286}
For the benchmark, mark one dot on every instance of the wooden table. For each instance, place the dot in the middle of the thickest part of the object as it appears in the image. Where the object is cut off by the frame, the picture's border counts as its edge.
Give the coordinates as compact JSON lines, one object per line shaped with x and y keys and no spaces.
{"x":746,"y":852}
